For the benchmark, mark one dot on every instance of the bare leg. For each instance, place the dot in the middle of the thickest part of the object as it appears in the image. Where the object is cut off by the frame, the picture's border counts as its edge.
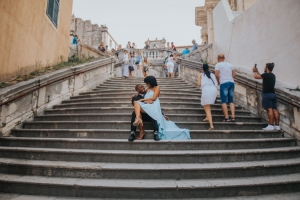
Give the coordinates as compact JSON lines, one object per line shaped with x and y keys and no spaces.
{"x":225,"y":110}
{"x":277,"y":117}
{"x":141,"y":135}
{"x":271,"y":116}
{"x":137,"y":110}
{"x":209,"y":116}
{"x":232,"y":109}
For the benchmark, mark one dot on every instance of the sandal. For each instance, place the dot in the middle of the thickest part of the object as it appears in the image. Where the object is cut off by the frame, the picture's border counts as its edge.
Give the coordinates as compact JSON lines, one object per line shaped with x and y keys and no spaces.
{"x":226,"y":120}
{"x":137,"y":122}
{"x":141,"y":136}
{"x":232,"y":120}
{"x":205,"y":120}
{"x":211,"y":128}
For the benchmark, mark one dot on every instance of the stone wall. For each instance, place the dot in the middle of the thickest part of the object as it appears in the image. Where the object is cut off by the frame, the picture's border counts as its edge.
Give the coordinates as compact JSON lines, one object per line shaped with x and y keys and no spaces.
{"x":29,"y":39}
{"x":22,"y":101}
{"x":248,"y":94}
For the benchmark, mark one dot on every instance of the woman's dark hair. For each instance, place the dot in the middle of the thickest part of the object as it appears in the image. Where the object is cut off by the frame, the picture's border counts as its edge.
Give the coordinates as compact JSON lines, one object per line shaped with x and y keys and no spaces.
{"x":270,"y":66}
{"x":151,"y":80}
{"x":171,"y":55}
{"x":206,"y":70}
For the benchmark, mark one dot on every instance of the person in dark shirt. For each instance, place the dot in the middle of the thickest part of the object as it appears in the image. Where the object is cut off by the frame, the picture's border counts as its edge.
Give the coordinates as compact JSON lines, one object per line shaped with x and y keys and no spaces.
{"x":145,"y":117}
{"x":269,"y":99}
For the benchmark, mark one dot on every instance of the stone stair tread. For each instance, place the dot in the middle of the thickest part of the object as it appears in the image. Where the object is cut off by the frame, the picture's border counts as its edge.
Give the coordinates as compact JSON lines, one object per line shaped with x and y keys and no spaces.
{"x":285,"y":196}
{"x":152,"y":184}
{"x":131,"y":108}
{"x":149,"y":140}
{"x":151,"y":166}
{"x":156,"y":152}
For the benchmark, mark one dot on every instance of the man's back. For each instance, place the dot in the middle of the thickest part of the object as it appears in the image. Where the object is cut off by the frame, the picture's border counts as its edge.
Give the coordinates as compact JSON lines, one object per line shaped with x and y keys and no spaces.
{"x":225,"y":70}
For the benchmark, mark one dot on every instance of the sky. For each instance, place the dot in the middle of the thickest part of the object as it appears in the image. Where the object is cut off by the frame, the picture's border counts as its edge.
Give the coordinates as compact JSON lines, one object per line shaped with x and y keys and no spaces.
{"x":138,"y":20}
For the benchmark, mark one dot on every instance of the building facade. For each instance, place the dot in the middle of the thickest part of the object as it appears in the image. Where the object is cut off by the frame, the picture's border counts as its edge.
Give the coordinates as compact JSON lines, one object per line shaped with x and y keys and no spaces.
{"x":34,"y":34}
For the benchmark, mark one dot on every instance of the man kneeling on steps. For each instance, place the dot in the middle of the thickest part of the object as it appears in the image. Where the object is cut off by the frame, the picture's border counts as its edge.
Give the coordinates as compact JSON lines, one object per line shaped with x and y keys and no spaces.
{"x":145,"y":117}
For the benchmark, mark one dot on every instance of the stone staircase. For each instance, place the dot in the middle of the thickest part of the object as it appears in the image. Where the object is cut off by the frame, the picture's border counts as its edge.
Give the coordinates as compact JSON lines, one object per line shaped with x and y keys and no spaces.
{"x":80,"y":149}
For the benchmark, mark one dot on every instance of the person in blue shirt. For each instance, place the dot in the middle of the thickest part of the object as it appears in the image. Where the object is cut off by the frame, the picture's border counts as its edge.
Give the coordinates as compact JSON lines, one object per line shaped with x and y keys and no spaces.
{"x":75,"y":39}
{"x":195,"y":45}
{"x":186,"y":51}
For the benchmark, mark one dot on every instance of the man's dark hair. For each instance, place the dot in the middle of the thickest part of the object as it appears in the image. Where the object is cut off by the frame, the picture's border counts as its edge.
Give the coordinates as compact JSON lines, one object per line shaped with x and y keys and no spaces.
{"x":270,"y":66}
{"x":151,"y":80}
{"x":171,"y":55}
{"x":136,"y":87}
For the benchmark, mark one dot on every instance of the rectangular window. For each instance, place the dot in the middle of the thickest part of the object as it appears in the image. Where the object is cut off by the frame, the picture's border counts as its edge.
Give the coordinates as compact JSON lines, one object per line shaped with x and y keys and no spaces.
{"x":52,"y":11}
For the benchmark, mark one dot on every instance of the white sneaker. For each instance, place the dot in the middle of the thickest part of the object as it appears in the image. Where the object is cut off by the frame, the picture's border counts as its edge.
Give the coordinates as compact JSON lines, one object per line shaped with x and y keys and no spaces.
{"x":269,"y":128}
{"x":277,"y":128}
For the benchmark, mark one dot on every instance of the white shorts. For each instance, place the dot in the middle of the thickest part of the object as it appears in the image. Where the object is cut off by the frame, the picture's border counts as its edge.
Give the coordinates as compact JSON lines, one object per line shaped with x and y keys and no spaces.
{"x":170,"y":67}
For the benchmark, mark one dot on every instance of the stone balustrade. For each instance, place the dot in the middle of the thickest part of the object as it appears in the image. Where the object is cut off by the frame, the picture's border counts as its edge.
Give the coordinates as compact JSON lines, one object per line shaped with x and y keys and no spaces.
{"x":248,"y":94}
{"x":22,"y":101}
{"x":203,"y":54}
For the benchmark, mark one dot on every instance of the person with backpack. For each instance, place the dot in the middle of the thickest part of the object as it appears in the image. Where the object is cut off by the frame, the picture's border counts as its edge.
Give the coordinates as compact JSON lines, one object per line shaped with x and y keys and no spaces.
{"x":208,"y":83}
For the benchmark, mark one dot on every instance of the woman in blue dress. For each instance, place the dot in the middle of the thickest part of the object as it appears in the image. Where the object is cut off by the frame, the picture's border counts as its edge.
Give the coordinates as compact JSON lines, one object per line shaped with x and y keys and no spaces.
{"x":151,"y":105}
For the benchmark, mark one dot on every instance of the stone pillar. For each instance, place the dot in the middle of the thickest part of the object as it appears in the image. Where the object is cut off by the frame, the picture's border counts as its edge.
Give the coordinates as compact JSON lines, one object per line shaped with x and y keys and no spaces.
{"x":240,"y":5}
{"x":204,"y":35}
{"x":210,"y":24}
{"x":104,"y":38}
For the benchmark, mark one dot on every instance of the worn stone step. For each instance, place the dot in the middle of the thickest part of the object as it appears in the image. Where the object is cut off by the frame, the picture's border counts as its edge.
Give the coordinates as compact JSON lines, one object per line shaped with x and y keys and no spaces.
{"x":289,"y":196}
{"x":133,"y":84}
{"x":145,"y":189}
{"x":132,"y":91}
{"x":123,"y":144}
{"x":126,"y":98}
{"x":124,"y":134}
{"x":166,"y":87}
{"x":165,"y":105}
{"x":127,"y":116}
{"x":153,"y":156}
{"x":129,"y":109}
{"x":176,"y":171}
{"x":147,"y":125}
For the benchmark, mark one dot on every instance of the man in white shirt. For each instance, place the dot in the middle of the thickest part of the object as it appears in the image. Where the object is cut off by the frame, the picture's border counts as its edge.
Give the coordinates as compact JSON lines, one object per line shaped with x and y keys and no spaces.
{"x":225,"y":74}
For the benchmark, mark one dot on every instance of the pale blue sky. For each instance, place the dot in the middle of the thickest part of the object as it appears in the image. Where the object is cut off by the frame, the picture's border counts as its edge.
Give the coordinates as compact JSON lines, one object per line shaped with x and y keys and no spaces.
{"x":138,"y":20}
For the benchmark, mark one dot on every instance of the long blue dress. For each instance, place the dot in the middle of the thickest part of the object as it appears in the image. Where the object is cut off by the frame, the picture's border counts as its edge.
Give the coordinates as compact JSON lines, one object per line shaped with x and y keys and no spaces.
{"x":167,"y":129}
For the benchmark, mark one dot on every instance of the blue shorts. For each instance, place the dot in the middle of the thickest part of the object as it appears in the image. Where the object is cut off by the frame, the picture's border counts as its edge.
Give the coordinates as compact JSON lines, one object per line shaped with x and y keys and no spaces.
{"x":227,"y":92}
{"x":269,"y":100}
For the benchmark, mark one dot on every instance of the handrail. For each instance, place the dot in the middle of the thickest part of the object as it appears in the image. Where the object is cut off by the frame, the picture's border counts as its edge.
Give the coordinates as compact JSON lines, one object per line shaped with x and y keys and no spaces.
{"x":74,"y":73}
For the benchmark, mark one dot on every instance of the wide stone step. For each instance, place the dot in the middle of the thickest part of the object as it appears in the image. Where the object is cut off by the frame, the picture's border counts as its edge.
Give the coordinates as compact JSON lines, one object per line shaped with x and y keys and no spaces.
{"x":147,"y":125}
{"x":133,"y":84}
{"x":164,"y":105}
{"x":127,"y":116}
{"x":121,"y":144}
{"x":124,"y":134}
{"x":166,"y":87}
{"x":120,"y":89}
{"x":136,"y":156}
{"x":145,"y":189}
{"x":176,"y":171}
{"x":129,"y":109}
{"x":124,"y":99}
{"x":129,"y":94}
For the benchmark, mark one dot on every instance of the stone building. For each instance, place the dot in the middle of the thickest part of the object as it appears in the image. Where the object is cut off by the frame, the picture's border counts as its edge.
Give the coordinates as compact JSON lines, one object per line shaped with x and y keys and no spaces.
{"x":34,"y":34}
{"x":92,"y":34}
{"x":157,"y":43}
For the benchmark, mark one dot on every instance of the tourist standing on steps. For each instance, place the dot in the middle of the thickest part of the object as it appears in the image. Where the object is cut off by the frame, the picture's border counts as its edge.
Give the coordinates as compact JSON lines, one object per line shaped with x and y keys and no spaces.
{"x":75,"y":40}
{"x":146,"y":47}
{"x":269,"y":99}
{"x":146,"y":66}
{"x":125,"y":64}
{"x":173,"y":46}
{"x":133,"y":45}
{"x":225,"y":74}
{"x":170,"y":66}
{"x":128,"y":46}
{"x":195,"y":45}
{"x":208,"y":83}
{"x":131,"y":65}
{"x":119,"y":47}
{"x":102,"y":48}
{"x":138,"y":64}
{"x":165,"y":67}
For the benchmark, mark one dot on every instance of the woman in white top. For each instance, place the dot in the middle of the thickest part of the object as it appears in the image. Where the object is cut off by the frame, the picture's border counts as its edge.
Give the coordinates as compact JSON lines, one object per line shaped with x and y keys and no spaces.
{"x":208,"y":84}
{"x":138,"y":63}
{"x":125,"y":65}
{"x":146,"y":66}
{"x":170,"y":66}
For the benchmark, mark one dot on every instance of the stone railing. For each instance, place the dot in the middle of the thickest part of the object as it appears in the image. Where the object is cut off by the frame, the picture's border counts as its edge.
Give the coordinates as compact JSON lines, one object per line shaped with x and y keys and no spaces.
{"x":83,"y":51}
{"x":203,"y":54}
{"x":248,"y":94}
{"x":22,"y":101}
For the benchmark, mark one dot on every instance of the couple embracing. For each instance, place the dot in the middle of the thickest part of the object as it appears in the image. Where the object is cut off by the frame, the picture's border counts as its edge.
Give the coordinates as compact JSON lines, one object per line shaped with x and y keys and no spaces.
{"x":147,"y":108}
